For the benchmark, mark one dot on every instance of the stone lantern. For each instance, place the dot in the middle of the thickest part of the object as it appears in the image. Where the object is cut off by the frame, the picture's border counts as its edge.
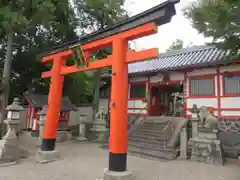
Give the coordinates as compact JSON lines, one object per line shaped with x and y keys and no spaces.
{"x":99,"y":130}
{"x":9,"y":149}
{"x":82,"y":128}
{"x":41,"y":122}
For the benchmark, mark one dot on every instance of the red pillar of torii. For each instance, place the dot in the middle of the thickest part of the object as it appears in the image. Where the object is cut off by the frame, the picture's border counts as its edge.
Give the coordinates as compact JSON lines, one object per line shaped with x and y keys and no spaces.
{"x":119,"y":60}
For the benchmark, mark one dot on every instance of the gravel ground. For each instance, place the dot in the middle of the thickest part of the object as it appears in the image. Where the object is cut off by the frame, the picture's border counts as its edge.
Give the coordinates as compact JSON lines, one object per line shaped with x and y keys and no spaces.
{"x":88,"y":161}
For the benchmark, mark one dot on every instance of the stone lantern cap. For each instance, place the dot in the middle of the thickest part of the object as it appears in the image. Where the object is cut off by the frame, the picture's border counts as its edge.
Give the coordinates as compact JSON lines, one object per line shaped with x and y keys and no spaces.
{"x":15,"y":106}
{"x":83,"y":118}
{"x":43,"y":111}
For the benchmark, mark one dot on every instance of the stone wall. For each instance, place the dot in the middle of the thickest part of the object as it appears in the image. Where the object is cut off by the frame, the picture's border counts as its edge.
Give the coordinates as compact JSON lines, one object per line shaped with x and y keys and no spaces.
{"x":230,"y":136}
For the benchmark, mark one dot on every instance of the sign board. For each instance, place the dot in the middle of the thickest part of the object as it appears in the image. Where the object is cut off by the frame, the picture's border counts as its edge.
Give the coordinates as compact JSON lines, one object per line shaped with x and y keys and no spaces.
{"x":78,"y":56}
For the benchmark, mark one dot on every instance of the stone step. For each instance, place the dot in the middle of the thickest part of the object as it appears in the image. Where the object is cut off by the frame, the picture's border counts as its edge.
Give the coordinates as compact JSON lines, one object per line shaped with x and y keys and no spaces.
{"x":153,"y":130}
{"x":150,"y":153}
{"x":155,"y":145}
{"x":154,"y":126}
{"x":148,"y":133}
{"x":144,"y":129}
{"x":143,"y":145}
{"x":159,"y":124}
{"x":158,"y":119}
{"x":147,"y":138}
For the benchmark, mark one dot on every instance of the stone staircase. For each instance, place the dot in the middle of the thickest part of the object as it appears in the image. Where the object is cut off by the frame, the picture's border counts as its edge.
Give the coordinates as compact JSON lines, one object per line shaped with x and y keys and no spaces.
{"x":150,"y":139}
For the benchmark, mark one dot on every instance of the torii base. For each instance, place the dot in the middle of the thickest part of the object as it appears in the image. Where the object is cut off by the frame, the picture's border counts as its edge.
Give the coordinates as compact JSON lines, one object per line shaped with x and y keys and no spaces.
{"x":47,"y":156}
{"x":110,"y":175}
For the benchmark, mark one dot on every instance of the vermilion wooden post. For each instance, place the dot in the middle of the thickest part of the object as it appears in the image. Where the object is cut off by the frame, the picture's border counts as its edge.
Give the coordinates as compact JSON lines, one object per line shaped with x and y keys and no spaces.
{"x":119,"y":96}
{"x":54,"y":103}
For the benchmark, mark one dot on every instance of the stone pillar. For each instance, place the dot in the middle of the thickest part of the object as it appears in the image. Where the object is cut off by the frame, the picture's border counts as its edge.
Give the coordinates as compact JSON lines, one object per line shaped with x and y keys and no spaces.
{"x":82,"y":128}
{"x":9,"y":145}
{"x":195,"y":121}
{"x":183,"y":143}
{"x":41,"y":122}
{"x":41,"y":130}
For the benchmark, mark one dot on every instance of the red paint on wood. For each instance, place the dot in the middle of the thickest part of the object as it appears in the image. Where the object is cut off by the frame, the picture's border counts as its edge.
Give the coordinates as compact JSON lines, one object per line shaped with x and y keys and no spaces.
{"x":137,"y":114}
{"x":230,"y":109}
{"x":185,"y":94}
{"x":218,"y":92}
{"x":137,"y":108}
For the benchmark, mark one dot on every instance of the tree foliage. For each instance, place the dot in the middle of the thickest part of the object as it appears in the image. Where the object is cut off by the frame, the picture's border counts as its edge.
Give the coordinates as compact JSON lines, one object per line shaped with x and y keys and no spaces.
{"x":219,"y":20}
{"x":41,"y":24}
{"x":177,"y":44}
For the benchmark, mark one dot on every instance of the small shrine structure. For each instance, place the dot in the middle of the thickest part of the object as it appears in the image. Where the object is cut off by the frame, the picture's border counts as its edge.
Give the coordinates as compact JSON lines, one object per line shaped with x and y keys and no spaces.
{"x":36,"y":103}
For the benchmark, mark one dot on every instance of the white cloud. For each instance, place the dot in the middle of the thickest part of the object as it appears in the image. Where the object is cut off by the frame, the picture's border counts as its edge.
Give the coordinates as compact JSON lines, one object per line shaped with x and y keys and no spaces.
{"x":178,"y":28}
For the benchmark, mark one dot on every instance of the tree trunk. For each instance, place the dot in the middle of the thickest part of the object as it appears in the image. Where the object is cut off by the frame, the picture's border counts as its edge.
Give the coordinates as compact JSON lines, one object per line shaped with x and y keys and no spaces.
{"x":95,"y":106}
{"x":6,"y":79}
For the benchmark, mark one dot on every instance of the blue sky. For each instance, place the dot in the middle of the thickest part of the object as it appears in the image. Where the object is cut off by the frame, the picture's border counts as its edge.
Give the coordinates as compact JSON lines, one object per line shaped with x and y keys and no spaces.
{"x":179,"y":28}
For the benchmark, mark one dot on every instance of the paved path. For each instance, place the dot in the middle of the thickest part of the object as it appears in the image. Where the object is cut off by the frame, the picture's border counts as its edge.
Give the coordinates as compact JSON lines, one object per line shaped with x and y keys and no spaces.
{"x":87,"y":162}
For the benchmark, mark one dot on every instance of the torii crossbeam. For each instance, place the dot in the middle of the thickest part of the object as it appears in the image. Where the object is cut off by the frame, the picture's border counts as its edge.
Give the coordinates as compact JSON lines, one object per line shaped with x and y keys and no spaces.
{"x":116,"y":38}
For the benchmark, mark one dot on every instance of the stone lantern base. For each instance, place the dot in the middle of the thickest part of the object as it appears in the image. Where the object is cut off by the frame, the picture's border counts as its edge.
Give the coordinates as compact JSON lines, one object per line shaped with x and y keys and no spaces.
{"x":99,"y":132}
{"x":110,"y":175}
{"x":47,"y":156}
{"x":9,"y":145}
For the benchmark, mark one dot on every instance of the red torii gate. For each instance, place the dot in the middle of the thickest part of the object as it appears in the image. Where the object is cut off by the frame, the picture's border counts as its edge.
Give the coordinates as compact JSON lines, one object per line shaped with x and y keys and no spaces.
{"x":136,"y":27}
{"x":119,"y":92}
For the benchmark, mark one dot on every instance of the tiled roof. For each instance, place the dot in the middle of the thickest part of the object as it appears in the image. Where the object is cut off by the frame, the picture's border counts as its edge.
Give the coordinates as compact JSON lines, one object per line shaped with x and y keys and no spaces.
{"x":198,"y":56}
{"x":40,"y":100}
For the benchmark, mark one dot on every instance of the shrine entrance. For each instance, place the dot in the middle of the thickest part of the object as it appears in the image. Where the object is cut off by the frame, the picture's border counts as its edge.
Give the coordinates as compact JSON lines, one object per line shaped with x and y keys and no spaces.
{"x":162,"y":101}
{"x":116,"y":38}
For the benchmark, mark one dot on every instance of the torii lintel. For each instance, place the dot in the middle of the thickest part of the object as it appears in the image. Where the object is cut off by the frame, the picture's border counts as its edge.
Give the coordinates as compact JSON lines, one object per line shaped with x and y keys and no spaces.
{"x":132,"y":56}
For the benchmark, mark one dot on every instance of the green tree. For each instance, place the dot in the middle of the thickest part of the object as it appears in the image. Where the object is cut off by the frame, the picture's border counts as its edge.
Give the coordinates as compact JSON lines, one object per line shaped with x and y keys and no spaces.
{"x":39,"y":34}
{"x":177,"y":44}
{"x":15,"y":18}
{"x":219,"y":20}
{"x":96,"y":15}
{"x":42,"y":29}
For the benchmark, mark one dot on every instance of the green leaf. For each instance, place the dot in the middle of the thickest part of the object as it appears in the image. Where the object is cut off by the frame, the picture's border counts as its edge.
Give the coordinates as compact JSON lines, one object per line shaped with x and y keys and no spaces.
{"x":218,"y":20}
